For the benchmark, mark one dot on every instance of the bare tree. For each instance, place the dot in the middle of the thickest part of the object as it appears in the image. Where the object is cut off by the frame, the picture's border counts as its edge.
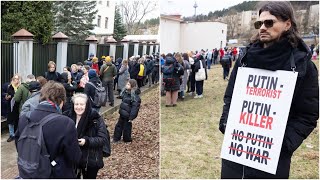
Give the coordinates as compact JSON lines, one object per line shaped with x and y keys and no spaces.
{"x":134,"y":12}
{"x":232,"y":21}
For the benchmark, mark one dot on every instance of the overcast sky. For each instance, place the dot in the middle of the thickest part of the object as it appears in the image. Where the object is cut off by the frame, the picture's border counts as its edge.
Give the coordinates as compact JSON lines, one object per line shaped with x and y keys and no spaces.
{"x":185,"y":7}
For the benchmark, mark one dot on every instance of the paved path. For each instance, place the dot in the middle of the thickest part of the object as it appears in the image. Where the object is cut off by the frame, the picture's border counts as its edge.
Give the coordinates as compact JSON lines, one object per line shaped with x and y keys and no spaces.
{"x":9,"y":168}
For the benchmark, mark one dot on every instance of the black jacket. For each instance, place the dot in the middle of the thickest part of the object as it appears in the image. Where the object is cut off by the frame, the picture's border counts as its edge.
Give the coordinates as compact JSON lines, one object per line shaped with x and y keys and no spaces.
{"x":60,"y":137}
{"x":92,"y":128}
{"x":304,"y":111}
{"x":90,"y":90}
{"x":197,"y":65}
{"x":175,"y":85}
{"x":55,"y":76}
{"x":130,"y":105}
{"x":134,"y":70}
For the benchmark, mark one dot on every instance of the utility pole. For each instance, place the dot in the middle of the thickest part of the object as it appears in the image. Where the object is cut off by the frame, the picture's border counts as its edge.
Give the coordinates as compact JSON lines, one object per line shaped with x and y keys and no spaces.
{"x":195,"y":10}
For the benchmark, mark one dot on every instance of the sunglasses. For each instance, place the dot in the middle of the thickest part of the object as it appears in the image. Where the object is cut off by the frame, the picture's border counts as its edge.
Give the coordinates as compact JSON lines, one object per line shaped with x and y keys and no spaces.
{"x":268,"y":23}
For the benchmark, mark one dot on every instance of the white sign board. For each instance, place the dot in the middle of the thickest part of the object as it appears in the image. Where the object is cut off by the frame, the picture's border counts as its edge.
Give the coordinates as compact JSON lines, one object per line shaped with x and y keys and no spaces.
{"x":257,"y":117}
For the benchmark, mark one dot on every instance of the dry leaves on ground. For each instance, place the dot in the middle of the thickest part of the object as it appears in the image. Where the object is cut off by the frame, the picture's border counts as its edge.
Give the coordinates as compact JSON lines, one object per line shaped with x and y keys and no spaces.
{"x":140,"y":158}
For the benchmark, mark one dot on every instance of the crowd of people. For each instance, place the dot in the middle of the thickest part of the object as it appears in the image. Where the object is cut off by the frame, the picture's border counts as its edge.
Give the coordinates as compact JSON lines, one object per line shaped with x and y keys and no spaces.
{"x":67,"y":105}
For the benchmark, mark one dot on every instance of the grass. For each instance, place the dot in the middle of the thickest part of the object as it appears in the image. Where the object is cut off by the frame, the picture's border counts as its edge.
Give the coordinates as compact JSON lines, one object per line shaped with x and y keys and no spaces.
{"x":191,"y":142}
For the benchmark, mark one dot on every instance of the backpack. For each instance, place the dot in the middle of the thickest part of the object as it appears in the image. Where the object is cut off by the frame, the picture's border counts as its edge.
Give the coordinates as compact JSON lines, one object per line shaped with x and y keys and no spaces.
{"x":225,"y":60}
{"x":33,"y":158}
{"x":168,"y":74}
{"x":99,"y":98}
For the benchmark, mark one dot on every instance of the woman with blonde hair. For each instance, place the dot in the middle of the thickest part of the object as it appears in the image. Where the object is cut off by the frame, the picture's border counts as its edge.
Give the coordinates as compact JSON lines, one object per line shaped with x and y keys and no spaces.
{"x":13,"y":115}
{"x":52,"y":74}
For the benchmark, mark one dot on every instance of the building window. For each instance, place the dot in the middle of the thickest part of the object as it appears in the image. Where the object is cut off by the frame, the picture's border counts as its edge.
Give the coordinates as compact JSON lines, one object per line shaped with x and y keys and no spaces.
{"x":222,"y":31}
{"x":106,"y":23}
{"x":100,"y":2}
{"x":99,"y":21}
{"x":107,"y":3}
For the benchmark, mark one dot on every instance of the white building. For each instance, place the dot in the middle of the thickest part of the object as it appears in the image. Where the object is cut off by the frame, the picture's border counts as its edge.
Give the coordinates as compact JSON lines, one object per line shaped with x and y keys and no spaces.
{"x":314,"y":15}
{"x":104,"y":19}
{"x":179,"y":36}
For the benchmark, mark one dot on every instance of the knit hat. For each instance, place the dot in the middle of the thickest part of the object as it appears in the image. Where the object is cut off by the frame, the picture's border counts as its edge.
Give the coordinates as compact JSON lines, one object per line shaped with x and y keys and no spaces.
{"x":91,"y":55}
{"x":92,"y":73}
{"x":34,"y":86}
{"x":108,"y":59}
{"x":103,"y":57}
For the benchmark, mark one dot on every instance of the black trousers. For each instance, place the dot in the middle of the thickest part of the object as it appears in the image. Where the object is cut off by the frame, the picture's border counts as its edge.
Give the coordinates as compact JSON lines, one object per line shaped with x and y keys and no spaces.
{"x":90,"y":173}
{"x":123,"y":127}
{"x":192,"y":82}
{"x":226,"y":70}
{"x":199,"y":87}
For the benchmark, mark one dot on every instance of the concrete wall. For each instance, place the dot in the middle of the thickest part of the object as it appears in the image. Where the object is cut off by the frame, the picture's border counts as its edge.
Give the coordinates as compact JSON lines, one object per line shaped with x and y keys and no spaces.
{"x":169,"y":36}
{"x":202,"y":35}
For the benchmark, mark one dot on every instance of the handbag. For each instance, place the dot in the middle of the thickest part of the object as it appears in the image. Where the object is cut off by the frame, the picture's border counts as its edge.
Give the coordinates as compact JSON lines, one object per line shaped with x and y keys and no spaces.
{"x":201,"y":74}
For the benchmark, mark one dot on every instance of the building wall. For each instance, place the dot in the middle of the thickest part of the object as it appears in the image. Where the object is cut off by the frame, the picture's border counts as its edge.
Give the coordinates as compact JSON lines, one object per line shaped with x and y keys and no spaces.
{"x":313,"y":15}
{"x":104,"y":11}
{"x":202,"y":35}
{"x":169,"y":36}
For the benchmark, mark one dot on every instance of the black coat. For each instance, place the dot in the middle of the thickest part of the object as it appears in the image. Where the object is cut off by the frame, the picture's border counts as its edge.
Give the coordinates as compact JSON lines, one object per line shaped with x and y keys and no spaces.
{"x":92,"y":128}
{"x":13,"y":116}
{"x":304,"y":111}
{"x":129,"y":107}
{"x":55,"y":76}
{"x":134,"y":70}
{"x":197,"y":66}
{"x":175,"y":86}
{"x":61,"y":140}
{"x":90,"y":90}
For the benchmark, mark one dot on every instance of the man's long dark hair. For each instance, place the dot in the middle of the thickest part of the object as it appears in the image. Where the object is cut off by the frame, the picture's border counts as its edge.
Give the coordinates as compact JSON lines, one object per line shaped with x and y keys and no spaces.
{"x":283,"y":10}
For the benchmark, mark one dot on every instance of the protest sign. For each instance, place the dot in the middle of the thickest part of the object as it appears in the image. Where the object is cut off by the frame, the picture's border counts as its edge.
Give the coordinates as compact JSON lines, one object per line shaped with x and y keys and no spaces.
{"x":257,"y":117}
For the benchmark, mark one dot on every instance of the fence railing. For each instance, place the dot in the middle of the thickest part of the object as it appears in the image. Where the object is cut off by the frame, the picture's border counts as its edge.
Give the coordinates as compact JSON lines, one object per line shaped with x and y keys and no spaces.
{"x":131,"y":50}
{"x":42,"y":54}
{"x":119,"y":52}
{"x":77,"y":53}
{"x":103,"y":50}
{"x":6,"y":61}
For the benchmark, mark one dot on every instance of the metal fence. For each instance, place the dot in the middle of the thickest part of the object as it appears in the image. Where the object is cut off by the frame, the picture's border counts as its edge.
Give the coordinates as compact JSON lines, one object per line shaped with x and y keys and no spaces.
{"x":103,"y":50}
{"x":131,"y":50}
{"x":77,"y":53}
{"x":148,"y":50}
{"x":6,"y":61}
{"x":42,"y":54}
{"x":140,"y":50}
{"x":119,"y":52}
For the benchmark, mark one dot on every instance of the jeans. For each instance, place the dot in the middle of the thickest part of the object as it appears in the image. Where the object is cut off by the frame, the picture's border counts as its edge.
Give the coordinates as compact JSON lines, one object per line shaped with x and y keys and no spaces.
{"x":199,"y":87}
{"x":182,"y":93}
{"x":108,"y":85}
{"x":11,"y":129}
{"x":209,"y":62}
{"x":226,"y":72}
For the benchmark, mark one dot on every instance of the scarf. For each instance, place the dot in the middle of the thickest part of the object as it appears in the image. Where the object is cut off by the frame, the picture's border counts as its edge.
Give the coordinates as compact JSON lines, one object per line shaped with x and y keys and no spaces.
{"x":274,"y":57}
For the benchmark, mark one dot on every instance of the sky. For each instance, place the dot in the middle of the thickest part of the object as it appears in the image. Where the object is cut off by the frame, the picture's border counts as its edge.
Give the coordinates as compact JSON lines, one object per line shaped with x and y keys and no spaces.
{"x":185,"y":7}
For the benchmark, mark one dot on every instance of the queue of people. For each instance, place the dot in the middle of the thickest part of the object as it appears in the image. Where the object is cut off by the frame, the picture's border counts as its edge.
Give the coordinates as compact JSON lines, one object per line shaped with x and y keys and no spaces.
{"x":67,"y":103}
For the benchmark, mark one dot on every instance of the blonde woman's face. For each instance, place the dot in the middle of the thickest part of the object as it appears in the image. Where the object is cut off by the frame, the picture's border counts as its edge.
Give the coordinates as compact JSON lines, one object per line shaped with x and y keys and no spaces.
{"x":52,"y":68}
{"x":79,"y":105}
{"x":16,"y":79}
{"x":74,"y":68}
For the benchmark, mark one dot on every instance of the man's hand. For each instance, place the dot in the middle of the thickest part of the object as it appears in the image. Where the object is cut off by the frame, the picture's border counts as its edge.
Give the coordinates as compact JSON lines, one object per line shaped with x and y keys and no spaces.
{"x":81,"y":141}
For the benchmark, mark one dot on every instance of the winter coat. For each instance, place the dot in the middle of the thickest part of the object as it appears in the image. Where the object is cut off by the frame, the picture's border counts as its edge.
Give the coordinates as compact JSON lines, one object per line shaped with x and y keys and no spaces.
{"x":76,"y":77}
{"x":55,"y":76}
{"x":304,"y":111}
{"x":197,"y":66}
{"x":70,"y":89}
{"x":22,"y":94}
{"x":175,"y":86}
{"x":90,"y":90}
{"x":149,"y":66}
{"x":110,"y":72}
{"x":60,"y":137}
{"x":124,"y":76}
{"x":130,"y":105}
{"x":185,"y":75}
{"x":13,"y":116}
{"x":96,"y":67}
{"x":30,"y":104}
{"x":92,"y":128}
{"x":134,"y":71}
